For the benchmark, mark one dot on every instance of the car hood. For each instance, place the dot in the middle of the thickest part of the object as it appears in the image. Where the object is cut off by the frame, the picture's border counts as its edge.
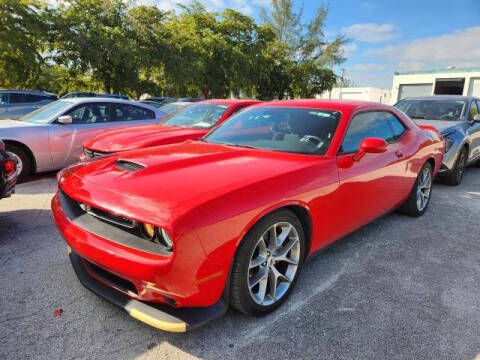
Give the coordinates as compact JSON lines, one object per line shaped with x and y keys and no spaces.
{"x":141,"y":136}
{"x":175,"y":178}
{"x":15,"y":124}
{"x":439,"y":124}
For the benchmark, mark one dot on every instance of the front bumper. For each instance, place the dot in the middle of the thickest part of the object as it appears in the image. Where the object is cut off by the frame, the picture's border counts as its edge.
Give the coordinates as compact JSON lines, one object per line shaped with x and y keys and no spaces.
{"x":159,"y":316}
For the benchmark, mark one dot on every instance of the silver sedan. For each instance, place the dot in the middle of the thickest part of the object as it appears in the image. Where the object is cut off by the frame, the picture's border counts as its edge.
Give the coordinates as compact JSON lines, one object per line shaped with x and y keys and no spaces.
{"x":457,"y":118}
{"x":52,"y":137}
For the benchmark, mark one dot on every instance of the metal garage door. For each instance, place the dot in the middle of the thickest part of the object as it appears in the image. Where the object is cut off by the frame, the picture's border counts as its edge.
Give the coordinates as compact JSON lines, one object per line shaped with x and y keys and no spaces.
{"x":414,"y":90}
{"x":474,"y":87}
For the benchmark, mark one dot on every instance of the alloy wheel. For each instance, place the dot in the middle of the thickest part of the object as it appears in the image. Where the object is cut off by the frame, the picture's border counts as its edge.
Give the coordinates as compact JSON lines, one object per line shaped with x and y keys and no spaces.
{"x":461,"y":166}
{"x":273,"y":263}
{"x":424,"y":188}
{"x":19,"y":162}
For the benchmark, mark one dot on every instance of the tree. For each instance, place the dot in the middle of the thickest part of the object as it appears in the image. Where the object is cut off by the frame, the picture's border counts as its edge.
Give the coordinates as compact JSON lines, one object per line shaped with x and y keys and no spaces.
{"x":306,"y":46}
{"x":94,"y":37}
{"x":23,"y":30}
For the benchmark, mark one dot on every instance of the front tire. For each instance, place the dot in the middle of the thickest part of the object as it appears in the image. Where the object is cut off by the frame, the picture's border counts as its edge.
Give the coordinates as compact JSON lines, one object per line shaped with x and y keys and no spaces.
{"x":267,"y":263}
{"x":454,"y":177}
{"x":419,"y":198}
{"x":24,"y":163}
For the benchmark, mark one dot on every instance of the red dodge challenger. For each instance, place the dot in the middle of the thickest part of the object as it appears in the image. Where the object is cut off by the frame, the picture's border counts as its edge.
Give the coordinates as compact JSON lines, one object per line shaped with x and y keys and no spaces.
{"x":175,"y":234}
{"x":188,"y":123}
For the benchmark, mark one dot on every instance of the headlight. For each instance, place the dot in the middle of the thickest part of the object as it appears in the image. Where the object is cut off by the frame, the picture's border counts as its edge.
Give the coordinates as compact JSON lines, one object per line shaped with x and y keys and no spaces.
{"x":448,"y":144}
{"x":149,"y":231}
{"x":158,"y":236}
{"x":167,"y":240}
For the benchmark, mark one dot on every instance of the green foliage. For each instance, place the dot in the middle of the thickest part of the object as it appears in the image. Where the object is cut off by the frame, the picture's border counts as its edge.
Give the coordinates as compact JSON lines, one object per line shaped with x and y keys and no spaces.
{"x":118,"y":46}
{"x":22,"y":34}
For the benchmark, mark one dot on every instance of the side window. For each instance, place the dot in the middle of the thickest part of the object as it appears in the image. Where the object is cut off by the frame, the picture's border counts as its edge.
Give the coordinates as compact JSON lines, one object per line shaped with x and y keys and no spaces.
{"x":473,"y":111}
{"x":4,"y":98}
{"x":364,"y":125}
{"x":238,"y":108}
{"x":32,"y":98}
{"x":16,"y":98}
{"x":397,"y":126}
{"x":91,"y":113}
{"x":142,"y":113}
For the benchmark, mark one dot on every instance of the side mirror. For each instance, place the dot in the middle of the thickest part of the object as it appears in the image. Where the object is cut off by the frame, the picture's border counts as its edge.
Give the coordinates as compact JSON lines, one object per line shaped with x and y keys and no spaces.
{"x":476,"y":118}
{"x":370,"y":146}
{"x":65,"y":119}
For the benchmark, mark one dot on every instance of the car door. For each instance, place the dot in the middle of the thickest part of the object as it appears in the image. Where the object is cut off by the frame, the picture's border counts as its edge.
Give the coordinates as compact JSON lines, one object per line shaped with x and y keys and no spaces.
{"x":88,"y":120}
{"x":376,"y":183}
{"x":473,"y":131}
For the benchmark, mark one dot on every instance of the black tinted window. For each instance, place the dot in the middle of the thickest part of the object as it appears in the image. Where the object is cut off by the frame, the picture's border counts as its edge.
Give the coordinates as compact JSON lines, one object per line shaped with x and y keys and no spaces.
{"x":16,"y":98}
{"x":91,"y":113}
{"x":4,"y":98}
{"x":33,"y":98}
{"x":397,"y":126}
{"x":365,"y":125}
{"x":125,"y":112}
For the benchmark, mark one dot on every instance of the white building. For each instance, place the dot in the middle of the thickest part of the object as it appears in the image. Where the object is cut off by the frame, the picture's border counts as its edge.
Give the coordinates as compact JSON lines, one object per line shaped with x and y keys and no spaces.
{"x":358,"y":93}
{"x":449,"y":81}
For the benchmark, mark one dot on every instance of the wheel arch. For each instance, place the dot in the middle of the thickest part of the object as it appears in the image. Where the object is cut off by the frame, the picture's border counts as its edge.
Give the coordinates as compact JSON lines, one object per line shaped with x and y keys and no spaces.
{"x":27,"y":150}
{"x":299,"y":209}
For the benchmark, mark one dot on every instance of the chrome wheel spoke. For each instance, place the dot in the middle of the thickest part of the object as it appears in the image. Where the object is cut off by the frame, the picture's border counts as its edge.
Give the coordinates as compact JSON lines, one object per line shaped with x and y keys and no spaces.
{"x":261,"y":275}
{"x":273,"y":263}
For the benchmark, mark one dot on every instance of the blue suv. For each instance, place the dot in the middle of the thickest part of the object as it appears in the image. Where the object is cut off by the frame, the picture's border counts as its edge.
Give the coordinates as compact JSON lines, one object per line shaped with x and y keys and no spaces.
{"x":16,"y":103}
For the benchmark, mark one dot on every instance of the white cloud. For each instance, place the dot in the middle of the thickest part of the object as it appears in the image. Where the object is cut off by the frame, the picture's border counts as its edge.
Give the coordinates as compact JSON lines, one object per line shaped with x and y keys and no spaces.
{"x":459,"y":48}
{"x":370,"y":32}
{"x":349,"y":49}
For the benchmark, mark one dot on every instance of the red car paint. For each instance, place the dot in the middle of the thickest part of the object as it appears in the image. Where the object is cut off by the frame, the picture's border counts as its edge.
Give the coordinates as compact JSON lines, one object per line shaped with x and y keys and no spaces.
{"x":207,"y":196}
{"x":153,"y":135}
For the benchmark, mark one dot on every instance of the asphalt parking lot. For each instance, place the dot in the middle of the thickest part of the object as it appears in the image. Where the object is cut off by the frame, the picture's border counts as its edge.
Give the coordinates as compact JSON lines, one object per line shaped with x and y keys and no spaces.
{"x":400,"y":288}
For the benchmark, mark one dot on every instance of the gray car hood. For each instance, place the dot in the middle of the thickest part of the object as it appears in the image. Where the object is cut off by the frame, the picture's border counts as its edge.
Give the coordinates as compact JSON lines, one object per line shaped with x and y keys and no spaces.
{"x":14,"y":124}
{"x":438,"y":124}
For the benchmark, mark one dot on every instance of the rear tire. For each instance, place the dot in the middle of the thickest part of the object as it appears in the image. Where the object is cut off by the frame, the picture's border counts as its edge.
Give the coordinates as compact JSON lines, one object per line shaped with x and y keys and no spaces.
{"x":454,"y":177}
{"x":265,"y":267}
{"x":419,"y":198}
{"x":24,"y":163}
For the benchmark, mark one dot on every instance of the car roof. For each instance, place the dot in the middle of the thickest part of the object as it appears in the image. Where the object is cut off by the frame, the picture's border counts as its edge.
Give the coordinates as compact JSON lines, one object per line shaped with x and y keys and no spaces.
{"x":229,"y":101}
{"x":36,"y":92}
{"x":322,"y":103}
{"x":438,"y":97}
{"x":79,"y":100}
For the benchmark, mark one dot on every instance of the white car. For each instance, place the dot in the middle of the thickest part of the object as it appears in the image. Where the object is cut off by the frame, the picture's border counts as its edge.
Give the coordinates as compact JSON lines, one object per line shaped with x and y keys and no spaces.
{"x":52,"y":137}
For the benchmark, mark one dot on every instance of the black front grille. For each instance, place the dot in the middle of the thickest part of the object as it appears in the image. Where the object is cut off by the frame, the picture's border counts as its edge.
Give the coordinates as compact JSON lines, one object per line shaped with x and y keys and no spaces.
{"x":91,"y":154}
{"x":110,"y":278}
{"x":108,"y":217}
{"x":109,"y":226}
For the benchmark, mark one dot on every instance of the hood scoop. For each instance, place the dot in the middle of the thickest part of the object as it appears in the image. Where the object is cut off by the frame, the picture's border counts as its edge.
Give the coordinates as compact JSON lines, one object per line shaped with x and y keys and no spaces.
{"x":129,"y":166}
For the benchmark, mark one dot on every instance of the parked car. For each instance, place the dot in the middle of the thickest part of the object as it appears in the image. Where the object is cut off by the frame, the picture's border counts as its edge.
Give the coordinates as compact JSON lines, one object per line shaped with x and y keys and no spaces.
{"x":177,"y":233}
{"x":457,"y":119}
{"x":17,"y":103}
{"x":168,"y":108}
{"x":163,"y":100}
{"x":8,"y":172}
{"x":51,"y":137}
{"x":92,"y":94}
{"x":190,"y":122}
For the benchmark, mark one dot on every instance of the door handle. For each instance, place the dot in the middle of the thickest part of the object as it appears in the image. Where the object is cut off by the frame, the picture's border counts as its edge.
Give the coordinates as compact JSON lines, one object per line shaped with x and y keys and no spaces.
{"x":399,"y":153}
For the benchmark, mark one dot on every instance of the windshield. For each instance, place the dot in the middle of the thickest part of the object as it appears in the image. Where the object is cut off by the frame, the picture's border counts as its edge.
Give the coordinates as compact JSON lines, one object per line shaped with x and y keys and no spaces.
{"x":198,"y":115}
{"x":299,"y":130}
{"x":431,"y":109}
{"x":47,"y":112}
{"x":170,"y":108}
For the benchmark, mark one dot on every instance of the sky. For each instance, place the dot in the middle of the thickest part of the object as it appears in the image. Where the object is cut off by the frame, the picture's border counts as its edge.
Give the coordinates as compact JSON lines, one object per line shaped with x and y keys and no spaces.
{"x":386,"y":35}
